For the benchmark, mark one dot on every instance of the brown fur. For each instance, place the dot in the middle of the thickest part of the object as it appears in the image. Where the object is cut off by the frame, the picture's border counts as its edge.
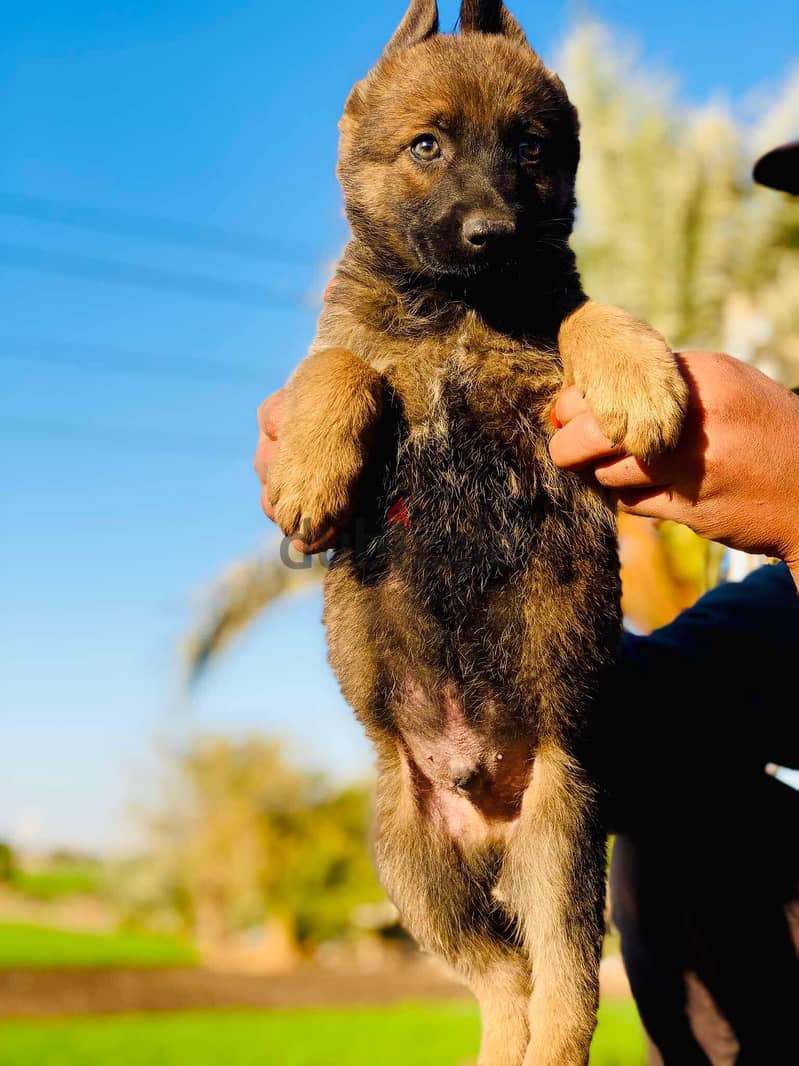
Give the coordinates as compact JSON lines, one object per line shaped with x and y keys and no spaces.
{"x":471,"y":640}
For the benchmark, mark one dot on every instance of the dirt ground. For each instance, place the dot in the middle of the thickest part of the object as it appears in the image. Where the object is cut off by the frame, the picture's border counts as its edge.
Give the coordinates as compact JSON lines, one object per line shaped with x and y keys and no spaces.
{"x":42,"y":993}
{"x":54,"y":993}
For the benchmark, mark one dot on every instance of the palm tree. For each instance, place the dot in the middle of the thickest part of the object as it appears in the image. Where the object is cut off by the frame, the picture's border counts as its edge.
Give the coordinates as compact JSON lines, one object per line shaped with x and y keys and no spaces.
{"x":671,"y":225}
{"x":297,"y":869}
{"x":239,"y":595}
{"x":672,"y":228}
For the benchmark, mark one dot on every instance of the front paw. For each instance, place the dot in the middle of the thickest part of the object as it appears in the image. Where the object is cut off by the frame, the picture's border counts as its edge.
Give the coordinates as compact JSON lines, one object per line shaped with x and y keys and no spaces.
{"x":641,"y":407}
{"x":312,"y":495}
{"x":332,"y":405}
{"x":629,"y":376}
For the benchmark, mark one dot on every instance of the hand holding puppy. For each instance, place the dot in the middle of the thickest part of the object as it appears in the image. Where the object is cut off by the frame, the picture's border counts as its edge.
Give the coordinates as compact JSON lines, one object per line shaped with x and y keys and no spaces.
{"x":734,"y":475}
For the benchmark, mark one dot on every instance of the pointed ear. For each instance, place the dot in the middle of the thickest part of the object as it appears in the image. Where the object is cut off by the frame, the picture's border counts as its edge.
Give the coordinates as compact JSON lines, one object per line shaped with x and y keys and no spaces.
{"x":490,"y":16}
{"x":420,"y":22}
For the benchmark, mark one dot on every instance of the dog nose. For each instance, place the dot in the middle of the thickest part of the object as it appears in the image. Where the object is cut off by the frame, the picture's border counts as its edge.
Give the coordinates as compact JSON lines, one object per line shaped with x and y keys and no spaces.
{"x":480,"y":231}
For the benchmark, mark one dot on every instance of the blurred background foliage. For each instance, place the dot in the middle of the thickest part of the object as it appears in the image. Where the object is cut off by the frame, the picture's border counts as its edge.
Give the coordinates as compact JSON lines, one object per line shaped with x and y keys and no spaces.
{"x":299,"y":866}
{"x":671,"y":225}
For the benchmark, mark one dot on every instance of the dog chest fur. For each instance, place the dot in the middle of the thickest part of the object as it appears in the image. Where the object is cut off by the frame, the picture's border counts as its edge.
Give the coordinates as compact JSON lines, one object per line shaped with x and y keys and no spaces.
{"x":496,"y":541}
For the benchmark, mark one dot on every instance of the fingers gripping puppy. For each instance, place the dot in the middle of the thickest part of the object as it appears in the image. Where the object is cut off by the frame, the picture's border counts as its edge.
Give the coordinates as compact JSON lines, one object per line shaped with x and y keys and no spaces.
{"x":471,"y":636}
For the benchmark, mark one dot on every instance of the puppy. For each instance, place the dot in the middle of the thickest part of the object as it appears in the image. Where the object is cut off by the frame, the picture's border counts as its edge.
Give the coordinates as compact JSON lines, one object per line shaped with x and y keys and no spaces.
{"x":473,"y":605}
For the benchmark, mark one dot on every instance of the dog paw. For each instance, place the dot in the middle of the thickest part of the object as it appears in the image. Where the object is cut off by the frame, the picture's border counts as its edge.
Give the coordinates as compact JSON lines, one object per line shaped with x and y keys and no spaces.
{"x":330,"y":411}
{"x":311,"y":495}
{"x":642,"y":406}
{"x":630,"y":378}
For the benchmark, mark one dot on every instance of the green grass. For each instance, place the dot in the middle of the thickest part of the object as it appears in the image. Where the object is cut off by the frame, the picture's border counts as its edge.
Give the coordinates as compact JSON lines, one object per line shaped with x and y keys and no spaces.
{"x":60,"y":882}
{"x":418,"y":1034}
{"x":23,"y":946}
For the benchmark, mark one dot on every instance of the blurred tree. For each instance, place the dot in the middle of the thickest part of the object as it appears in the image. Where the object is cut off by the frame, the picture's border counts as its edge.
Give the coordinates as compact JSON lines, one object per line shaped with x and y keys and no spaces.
{"x":7,"y":863}
{"x":671,"y":225}
{"x":242,"y":838}
{"x":665,"y":567}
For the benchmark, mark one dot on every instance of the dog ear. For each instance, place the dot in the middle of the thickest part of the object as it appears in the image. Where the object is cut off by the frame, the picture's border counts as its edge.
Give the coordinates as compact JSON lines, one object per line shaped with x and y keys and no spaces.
{"x":490,"y":16}
{"x":420,"y":22}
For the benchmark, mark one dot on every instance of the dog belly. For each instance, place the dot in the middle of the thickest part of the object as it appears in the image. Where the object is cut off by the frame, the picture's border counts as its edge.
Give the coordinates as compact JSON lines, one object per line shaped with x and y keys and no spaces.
{"x":467,"y":777}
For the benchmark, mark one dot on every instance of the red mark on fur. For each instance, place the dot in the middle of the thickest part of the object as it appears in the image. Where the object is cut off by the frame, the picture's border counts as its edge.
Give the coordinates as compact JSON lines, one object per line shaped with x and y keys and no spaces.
{"x":398,"y":514}
{"x":329,"y":291}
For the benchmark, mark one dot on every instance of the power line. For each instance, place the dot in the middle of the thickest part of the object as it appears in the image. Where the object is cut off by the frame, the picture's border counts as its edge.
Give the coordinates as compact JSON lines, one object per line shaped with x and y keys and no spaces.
{"x":62,"y":353}
{"x":163,"y":230}
{"x":88,"y":268}
{"x":123,"y":439}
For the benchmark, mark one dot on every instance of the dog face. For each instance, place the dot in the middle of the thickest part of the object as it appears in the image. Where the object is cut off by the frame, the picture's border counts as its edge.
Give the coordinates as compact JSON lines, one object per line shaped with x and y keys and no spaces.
{"x":458,"y":153}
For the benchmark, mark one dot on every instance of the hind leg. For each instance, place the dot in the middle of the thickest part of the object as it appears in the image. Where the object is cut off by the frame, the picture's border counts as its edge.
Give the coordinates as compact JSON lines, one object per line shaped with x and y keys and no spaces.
{"x":554,"y":876}
{"x":503,"y":990}
{"x":445,"y":901}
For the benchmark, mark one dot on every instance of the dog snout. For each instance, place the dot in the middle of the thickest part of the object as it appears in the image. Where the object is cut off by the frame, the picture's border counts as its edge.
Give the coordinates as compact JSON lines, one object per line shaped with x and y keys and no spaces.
{"x":482,"y":231}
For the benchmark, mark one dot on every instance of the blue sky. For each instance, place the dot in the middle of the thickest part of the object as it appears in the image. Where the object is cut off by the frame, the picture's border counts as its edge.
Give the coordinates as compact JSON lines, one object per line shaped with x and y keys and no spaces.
{"x":127,"y":410}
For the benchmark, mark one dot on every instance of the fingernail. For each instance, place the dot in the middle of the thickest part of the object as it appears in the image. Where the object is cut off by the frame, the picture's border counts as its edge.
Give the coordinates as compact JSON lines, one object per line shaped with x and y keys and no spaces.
{"x":553,"y":417}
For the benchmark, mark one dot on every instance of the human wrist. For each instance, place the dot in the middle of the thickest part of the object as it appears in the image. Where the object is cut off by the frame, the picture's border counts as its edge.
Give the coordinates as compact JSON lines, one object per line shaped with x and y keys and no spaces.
{"x":791,"y":559}
{"x":788,"y":503}
{"x":788,"y":547}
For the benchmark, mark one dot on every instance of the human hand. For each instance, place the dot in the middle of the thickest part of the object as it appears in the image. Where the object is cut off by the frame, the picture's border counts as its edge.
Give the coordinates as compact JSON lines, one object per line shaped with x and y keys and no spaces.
{"x":734,"y":475}
{"x":269,"y":418}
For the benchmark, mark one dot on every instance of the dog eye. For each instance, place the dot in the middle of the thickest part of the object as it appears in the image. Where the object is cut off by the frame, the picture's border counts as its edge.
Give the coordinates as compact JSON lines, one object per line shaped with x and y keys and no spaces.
{"x":529,"y":150}
{"x":426,"y":148}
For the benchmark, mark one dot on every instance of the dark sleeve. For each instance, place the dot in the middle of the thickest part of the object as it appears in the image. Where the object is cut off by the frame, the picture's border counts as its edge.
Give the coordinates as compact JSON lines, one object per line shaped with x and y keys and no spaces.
{"x":713,"y":693}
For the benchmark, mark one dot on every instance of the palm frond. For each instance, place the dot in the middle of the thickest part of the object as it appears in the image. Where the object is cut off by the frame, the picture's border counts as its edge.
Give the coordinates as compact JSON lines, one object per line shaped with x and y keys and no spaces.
{"x":236,"y":598}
